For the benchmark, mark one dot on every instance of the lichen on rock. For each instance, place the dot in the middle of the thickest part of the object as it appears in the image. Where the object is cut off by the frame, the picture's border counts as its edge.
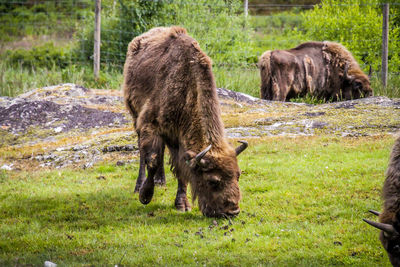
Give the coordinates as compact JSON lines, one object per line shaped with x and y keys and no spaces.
{"x":68,"y":125}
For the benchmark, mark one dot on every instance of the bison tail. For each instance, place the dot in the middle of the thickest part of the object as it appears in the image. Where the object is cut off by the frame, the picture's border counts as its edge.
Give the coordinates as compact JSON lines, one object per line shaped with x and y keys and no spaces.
{"x":266,"y":75}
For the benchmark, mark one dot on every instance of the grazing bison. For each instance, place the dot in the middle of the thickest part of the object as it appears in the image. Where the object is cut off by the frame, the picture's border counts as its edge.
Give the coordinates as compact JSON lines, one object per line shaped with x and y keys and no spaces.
{"x":170,"y":91}
{"x":390,"y":218}
{"x":322,"y":69}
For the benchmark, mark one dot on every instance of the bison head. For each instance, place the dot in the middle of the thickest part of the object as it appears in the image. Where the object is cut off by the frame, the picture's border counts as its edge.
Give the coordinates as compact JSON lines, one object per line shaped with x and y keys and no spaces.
{"x":355,"y":85}
{"x":389,"y":237}
{"x":216,"y":180}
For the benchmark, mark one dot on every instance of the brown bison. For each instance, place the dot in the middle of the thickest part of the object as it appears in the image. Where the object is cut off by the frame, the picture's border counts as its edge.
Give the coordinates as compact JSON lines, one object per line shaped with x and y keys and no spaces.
{"x":390,"y":218}
{"x":170,"y":91}
{"x":324,"y":70}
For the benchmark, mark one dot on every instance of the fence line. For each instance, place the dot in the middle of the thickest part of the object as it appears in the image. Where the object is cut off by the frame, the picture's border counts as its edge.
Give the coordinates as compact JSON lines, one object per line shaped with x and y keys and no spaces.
{"x":97,"y":40}
{"x":385,"y":43}
{"x":46,"y":23}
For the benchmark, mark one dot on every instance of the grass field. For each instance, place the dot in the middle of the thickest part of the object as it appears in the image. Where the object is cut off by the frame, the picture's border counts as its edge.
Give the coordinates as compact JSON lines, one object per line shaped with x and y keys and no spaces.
{"x":303,"y":204}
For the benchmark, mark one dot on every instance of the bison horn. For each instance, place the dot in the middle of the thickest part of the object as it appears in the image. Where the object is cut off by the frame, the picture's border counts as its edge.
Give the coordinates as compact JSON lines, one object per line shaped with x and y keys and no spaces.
{"x":201,"y":154}
{"x":387,"y":228}
{"x":374,"y":212}
{"x":242,"y":147}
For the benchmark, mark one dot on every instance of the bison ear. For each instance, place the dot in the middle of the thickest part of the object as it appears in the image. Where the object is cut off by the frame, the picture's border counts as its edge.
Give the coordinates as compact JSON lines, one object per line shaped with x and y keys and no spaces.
{"x":192,"y":159}
{"x":189,"y":157}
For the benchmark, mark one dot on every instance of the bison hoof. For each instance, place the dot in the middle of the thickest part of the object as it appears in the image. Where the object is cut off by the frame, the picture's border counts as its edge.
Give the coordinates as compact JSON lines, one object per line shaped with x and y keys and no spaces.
{"x":160,"y":181}
{"x":146,"y":193}
{"x":182,"y":204}
{"x":137,"y":188}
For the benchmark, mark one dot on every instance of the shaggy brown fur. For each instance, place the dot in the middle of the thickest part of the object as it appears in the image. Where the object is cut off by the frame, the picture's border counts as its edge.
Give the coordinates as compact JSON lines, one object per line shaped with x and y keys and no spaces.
{"x":391,"y":208}
{"x":316,"y":68}
{"x":170,"y":91}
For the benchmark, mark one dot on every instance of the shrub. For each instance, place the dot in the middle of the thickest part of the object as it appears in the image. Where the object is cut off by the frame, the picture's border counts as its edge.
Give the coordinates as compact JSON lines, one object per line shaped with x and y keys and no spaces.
{"x":355,"y":24}
{"x":46,"y":55}
{"x":25,"y":17}
{"x":218,"y":26}
{"x":118,"y":27}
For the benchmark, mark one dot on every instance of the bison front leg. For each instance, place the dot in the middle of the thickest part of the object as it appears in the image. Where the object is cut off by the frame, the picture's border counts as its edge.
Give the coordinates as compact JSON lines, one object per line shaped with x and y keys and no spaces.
{"x":142,"y":170}
{"x":151,"y":148}
{"x":181,"y":201}
{"x":159,"y":178}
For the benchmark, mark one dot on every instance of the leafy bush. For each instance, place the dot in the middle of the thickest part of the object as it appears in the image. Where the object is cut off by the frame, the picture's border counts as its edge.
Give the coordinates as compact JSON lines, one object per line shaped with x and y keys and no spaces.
{"x":118,"y":27}
{"x":277,"y":31}
{"x":23,"y":17}
{"x":46,"y":55}
{"x":355,"y":24}
{"x":218,"y":26}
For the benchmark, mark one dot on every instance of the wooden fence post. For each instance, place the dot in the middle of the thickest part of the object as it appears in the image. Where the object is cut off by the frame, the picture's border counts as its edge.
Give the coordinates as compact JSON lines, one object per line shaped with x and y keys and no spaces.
{"x":246,"y":7}
{"x":385,"y":41}
{"x":96,"y":49}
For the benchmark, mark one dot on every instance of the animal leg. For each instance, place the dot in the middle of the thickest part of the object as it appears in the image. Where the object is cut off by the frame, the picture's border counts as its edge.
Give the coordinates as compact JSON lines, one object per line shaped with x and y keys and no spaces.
{"x":149,"y":149}
{"x":142,"y":170}
{"x":159,"y":178}
{"x":181,"y":201}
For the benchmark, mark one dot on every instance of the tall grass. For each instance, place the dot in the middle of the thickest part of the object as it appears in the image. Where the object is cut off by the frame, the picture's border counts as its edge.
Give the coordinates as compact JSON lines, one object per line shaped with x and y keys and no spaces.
{"x":392,"y":89}
{"x":245,"y":80}
{"x":17,"y":80}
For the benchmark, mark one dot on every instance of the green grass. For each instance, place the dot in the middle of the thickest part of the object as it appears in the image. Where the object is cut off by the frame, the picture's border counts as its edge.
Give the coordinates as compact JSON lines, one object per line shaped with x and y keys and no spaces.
{"x":303,"y":204}
{"x":18,"y":80}
{"x":270,"y":32}
{"x":392,"y":89}
{"x":245,"y":80}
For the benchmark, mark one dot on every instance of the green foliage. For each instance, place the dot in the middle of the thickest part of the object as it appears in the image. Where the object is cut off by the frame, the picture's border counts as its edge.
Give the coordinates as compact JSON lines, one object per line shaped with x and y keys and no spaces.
{"x":276,"y":31}
{"x":239,"y":79}
{"x":218,"y":28}
{"x":392,"y":89}
{"x":355,"y":24}
{"x":119,"y":25}
{"x":25,"y":18}
{"x":265,"y":7}
{"x":47,"y":55}
{"x":15,"y":80}
{"x":309,"y":99}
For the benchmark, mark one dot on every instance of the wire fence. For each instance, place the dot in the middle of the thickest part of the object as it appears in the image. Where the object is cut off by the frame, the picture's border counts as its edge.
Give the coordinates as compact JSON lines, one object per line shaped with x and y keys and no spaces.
{"x":53,"y":25}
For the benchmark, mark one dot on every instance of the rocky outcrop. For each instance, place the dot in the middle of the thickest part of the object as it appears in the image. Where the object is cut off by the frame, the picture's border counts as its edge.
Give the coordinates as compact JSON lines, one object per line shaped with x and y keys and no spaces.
{"x":69,"y":125}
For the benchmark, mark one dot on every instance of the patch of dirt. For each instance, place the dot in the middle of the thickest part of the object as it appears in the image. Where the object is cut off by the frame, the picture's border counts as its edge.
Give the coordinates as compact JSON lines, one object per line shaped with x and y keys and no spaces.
{"x":18,"y":117}
{"x":71,"y":126}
